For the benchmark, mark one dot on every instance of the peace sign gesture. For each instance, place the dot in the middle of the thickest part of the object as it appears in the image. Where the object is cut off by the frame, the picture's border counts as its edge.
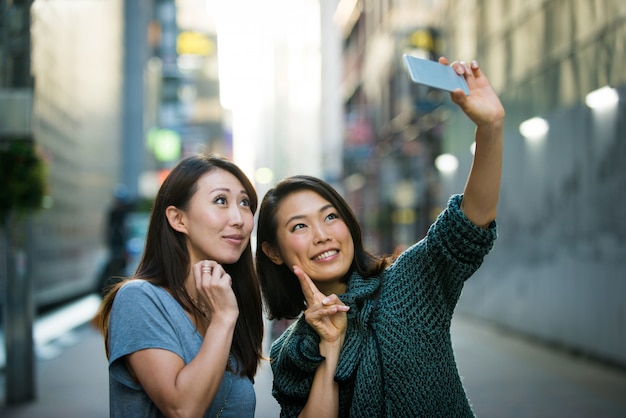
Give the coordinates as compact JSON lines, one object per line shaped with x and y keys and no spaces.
{"x":326,"y":314}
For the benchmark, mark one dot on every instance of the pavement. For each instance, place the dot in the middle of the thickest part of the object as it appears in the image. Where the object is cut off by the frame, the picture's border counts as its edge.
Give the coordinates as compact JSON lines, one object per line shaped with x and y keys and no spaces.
{"x":505,"y":375}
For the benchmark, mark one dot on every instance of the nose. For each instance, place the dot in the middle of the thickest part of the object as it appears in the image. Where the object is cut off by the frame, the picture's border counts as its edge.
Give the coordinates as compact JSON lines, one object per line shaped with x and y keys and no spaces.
{"x":320,"y":234}
{"x":236,"y":216}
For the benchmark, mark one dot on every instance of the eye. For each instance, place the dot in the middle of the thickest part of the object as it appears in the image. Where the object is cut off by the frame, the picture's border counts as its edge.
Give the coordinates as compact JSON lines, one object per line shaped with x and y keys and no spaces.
{"x":221,"y":200}
{"x":245,"y":202}
{"x":297,"y":227}
{"x":331,"y":216}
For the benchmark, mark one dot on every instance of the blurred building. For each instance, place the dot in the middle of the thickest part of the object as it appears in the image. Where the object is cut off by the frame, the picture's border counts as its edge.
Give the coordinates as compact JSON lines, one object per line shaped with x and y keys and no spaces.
{"x":114,"y":93}
{"x":75,"y":64}
{"x":556,"y":271}
{"x":393,"y":128}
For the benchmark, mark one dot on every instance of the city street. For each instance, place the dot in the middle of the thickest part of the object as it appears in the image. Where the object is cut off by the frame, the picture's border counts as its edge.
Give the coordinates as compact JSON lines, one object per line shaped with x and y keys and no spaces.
{"x":504,"y":375}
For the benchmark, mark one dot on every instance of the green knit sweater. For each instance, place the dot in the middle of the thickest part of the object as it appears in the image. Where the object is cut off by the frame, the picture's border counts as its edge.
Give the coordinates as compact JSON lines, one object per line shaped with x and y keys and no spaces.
{"x":397,"y":359}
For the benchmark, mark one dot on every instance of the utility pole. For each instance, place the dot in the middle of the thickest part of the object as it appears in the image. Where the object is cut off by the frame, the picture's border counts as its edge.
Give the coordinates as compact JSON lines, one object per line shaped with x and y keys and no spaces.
{"x":16,"y":102}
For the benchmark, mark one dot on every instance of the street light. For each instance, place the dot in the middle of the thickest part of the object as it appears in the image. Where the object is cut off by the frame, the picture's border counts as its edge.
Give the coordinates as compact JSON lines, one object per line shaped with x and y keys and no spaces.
{"x":602,"y":98}
{"x":534,"y":129}
{"x":446,"y":163}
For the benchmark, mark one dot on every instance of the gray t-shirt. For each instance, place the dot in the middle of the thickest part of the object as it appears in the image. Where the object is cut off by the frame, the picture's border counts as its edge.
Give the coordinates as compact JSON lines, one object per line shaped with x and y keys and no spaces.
{"x":146,"y":316}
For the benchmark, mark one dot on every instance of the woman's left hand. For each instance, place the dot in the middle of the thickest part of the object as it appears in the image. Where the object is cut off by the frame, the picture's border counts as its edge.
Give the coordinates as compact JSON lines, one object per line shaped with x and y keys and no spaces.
{"x":482,"y":105}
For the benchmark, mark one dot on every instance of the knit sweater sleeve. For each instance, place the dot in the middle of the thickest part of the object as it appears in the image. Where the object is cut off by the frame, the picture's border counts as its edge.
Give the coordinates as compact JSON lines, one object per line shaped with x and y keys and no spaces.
{"x":294,"y":358}
{"x":436,"y":267}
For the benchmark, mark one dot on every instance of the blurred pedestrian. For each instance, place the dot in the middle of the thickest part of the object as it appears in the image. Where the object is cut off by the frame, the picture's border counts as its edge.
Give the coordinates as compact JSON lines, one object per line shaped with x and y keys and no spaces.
{"x":374,"y":340}
{"x":184,"y":335}
{"x":116,"y":235}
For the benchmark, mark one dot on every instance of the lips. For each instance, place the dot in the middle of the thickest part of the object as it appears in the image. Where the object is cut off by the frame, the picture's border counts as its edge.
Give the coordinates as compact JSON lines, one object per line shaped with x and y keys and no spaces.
{"x":234,"y":239}
{"x":325,"y":254}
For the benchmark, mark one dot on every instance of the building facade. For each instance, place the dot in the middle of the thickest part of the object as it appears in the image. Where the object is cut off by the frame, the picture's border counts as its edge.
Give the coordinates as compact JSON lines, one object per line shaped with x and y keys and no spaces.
{"x":555,"y":273}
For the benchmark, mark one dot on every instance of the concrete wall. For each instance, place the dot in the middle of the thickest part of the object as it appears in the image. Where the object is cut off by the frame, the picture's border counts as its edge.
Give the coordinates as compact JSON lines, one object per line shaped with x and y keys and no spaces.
{"x":558,"y":271}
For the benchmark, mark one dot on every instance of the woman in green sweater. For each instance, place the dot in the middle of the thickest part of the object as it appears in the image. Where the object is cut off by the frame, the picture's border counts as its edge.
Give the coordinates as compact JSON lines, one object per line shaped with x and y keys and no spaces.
{"x":374,"y":340}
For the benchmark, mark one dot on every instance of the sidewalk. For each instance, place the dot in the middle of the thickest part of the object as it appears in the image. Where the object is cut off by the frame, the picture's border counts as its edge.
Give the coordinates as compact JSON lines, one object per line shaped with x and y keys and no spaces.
{"x":72,"y":375}
{"x":73,"y":383}
{"x":504,"y":376}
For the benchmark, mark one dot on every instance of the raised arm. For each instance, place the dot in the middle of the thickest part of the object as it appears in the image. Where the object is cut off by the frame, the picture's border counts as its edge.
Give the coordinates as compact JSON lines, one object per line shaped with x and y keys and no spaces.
{"x":483,"y":107}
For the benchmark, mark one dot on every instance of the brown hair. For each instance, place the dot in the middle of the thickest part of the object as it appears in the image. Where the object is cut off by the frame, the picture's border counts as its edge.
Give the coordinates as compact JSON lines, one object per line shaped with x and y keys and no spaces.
{"x":279,"y":285}
{"x":166,"y":261}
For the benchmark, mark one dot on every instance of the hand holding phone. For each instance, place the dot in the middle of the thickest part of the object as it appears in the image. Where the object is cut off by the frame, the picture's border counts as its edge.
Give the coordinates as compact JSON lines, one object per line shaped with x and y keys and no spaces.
{"x":433,"y":74}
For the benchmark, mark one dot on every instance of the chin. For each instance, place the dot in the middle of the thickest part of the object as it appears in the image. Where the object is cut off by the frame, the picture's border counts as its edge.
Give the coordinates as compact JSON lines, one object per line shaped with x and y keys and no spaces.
{"x":231,"y":259}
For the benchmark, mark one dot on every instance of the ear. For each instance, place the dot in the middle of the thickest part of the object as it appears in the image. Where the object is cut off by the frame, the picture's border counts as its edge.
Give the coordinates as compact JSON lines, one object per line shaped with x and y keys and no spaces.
{"x":176,"y":219}
{"x":271,"y":253}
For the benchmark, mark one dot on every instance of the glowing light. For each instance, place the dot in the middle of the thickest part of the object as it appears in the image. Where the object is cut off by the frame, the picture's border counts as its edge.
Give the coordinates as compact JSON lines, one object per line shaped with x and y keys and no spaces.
{"x":264,"y":175}
{"x":534,"y":128}
{"x":602,"y":98}
{"x":446,"y":163}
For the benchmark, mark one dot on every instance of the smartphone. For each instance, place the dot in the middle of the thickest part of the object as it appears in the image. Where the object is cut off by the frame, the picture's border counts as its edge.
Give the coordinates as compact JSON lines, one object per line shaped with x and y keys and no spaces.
{"x":433,"y":74}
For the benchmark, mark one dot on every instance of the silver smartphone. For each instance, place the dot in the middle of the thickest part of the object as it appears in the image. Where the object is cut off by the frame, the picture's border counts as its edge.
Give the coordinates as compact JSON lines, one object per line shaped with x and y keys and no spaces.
{"x":433,"y":74}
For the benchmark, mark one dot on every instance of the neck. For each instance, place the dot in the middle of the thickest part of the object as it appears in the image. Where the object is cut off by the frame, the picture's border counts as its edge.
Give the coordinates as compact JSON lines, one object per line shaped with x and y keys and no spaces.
{"x":337,"y":287}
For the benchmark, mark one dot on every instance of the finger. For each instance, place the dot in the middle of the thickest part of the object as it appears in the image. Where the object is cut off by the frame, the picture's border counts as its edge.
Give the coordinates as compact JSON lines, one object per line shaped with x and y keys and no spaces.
{"x":331,"y":300}
{"x":475,"y":68}
{"x":334,"y":301}
{"x":206,"y":268}
{"x":316,"y":314}
{"x":310,"y":291}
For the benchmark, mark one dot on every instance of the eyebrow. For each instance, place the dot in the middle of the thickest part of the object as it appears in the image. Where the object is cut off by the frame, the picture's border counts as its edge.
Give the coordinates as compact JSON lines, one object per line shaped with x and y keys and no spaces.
{"x":296,"y":217}
{"x":226,"y":189}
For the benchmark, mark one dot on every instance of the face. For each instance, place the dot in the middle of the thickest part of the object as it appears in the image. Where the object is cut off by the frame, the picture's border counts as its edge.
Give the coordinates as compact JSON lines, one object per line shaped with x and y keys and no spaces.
{"x":219,"y":221}
{"x":312,"y":236}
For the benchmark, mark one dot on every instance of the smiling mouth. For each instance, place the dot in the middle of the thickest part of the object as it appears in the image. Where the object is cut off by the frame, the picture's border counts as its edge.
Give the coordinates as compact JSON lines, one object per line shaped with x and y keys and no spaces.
{"x":234,"y":238}
{"x":325,"y":254}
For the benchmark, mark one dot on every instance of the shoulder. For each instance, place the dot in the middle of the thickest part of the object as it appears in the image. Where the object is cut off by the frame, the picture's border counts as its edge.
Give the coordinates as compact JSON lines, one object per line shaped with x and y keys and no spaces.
{"x":140,"y":295}
{"x":137,"y":288}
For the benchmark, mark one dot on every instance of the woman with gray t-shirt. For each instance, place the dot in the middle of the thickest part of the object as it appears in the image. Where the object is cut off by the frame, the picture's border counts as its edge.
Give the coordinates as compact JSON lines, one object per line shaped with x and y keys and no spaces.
{"x":184,"y":334}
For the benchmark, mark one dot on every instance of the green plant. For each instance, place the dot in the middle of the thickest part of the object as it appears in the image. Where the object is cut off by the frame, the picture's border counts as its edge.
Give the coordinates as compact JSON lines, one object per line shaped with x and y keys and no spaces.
{"x":22,"y":177}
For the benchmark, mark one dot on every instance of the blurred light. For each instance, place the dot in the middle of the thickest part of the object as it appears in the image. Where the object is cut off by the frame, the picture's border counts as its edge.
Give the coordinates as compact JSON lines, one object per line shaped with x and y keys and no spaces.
{"x":534,"y":128}
{"x":354,"y":182}
{"x":242,"y":49}
{"x":165,"y":144}
{"x":602,"y":98}
{"x":189,"y":63}
{"x":264,"y":175}
{"x":446,"y":163}
{"x":403,"y":216}
{"x":473,"y":148}
{"x":47,"y":202}
{"x":404,"y":195}
{"x":59,"y":322}
{"x":187,"y":93}
{"x":194,"y":43}
{"x":149,"y":184}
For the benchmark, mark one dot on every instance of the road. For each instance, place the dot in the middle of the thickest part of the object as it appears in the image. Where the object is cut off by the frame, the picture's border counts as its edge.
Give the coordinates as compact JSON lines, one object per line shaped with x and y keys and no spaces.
{"x":504,"y":374}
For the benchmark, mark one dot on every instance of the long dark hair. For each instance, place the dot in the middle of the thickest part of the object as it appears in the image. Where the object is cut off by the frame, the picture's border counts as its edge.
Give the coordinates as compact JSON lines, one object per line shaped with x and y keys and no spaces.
{"x":166,"y":261}
{"x":280,"y":287}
